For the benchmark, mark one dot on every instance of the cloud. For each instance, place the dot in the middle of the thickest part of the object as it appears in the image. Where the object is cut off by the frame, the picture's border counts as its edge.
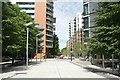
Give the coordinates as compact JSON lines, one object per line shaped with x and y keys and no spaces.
{"x":64,"y":11}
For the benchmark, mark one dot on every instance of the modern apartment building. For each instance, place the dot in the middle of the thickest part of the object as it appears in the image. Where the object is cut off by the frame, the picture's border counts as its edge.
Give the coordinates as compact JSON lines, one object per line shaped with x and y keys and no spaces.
{"x":41,"y":12}
{"x":75,"y":30}
{"x":44,"y":17}
{"x":27,"y":6}
{"x":89,"y":14}
{"x":68,"y":44}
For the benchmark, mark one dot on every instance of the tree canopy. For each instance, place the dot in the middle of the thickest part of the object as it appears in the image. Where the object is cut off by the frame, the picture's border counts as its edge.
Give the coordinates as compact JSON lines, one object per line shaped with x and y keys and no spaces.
{"x":106,"y":38}
{"x":14,"y":31}
{"x":55,"y":50}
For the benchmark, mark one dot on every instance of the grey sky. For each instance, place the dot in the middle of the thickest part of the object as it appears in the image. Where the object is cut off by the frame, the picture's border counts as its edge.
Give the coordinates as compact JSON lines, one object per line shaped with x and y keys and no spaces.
{"x":64,"y":11}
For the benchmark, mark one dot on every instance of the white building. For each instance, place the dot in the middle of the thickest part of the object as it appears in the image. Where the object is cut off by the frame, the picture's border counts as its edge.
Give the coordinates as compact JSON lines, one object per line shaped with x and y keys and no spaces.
{"x":27,"y":6}
{"x":75,"y":24}
{"x":75,"y":30}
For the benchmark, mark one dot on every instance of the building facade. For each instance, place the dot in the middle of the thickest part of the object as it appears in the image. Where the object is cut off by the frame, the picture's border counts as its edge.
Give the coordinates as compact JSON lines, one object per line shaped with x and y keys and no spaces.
{"x":41,"y":12}
{"x":26,"y":6}
{"x":75,"y":31}
{"x":89,"y":14}
{"x":44,"y":17}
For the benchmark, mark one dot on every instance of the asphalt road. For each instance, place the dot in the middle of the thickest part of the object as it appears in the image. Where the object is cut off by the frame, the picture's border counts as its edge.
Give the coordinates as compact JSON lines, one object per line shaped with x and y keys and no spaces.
{"x":60,"y":68}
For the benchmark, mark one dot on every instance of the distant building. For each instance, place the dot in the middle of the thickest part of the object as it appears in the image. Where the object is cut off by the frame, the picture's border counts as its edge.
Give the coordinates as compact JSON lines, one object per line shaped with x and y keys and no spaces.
{"x":75,"y":30}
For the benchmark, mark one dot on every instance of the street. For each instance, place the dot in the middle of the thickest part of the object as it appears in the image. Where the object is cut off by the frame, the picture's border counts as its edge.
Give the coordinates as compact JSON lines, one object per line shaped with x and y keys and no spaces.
{"x":58,"y":68}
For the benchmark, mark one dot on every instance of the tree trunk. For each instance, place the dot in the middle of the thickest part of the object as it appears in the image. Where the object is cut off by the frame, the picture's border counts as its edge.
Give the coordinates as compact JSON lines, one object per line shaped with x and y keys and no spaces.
{"x":103,"y":58}
{"x":25,"y":58}
{"x":119,"y":66}
{"x":13,"y":61}
{"x":112,"y":62}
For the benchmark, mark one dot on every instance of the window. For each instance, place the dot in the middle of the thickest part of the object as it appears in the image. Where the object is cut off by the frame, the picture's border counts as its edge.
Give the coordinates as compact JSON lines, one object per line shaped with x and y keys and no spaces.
{"x":31,"y":14}
{"x":27,"y":8}
{"x":86,"y":33}
{"x":86,"y":22}
{"x":25,"y":3}
{"x":85,"y":9}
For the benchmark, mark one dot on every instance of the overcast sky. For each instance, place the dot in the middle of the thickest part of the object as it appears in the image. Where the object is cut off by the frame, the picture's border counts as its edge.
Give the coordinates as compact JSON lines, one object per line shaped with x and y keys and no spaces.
{"x":64,"y":11}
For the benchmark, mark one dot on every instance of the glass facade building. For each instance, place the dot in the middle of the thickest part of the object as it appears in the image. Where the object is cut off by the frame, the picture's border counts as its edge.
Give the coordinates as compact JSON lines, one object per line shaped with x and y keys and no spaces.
{"x":89,"y":14}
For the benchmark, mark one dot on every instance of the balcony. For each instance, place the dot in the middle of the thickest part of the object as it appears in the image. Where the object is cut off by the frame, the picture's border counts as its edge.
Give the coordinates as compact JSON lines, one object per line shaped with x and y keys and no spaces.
{"x":50,"y":4}
{"x":26,"y":6}
{"x":51,"y":30}
{"x":41,"y":39}
{"x":49,"y":18}
{"x":49,"y":24}
{"x":50,"y":9}
{"x":49,"y":40}
{"x":49,"y":13}
{"x":54,"y":20}
{"x":29,"y":11}
{"x":50,"y":35}
{"x":86,"y":29}
{"x":49,"y":46}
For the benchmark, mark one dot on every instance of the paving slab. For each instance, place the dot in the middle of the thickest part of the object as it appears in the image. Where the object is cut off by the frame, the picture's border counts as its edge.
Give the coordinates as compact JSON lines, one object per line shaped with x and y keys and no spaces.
{"x":57,"y":68}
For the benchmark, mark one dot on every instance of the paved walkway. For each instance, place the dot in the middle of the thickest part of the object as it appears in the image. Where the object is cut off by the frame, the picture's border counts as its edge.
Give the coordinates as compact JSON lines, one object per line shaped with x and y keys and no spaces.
{"x":54,"y":68}
{"x":88,"y":64}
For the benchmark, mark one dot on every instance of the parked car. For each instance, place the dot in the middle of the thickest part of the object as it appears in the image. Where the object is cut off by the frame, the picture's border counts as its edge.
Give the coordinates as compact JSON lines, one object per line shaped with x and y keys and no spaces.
{"x":65,"y":57}
{"x":61,"y":57}
{"x":6,"y":58}
{"x":20,"y":58}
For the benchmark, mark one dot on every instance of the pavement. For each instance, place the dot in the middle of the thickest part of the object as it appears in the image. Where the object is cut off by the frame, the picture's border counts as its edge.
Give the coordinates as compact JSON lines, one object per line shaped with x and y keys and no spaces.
{"x":87,"y":64}
{"x":54,"y":68}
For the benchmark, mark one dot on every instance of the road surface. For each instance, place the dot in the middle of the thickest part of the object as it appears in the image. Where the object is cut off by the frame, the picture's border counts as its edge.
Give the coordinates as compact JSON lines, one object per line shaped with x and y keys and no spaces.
{"x":58,"y":68}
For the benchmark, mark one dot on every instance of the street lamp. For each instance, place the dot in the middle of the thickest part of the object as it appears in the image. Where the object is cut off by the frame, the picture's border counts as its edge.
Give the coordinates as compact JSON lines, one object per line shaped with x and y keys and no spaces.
{"x":26,"y":25}
{"x":40,"y":28}
{"x":41,"y":49}
{"x":37,"y":45}
{"x":71,"y":54}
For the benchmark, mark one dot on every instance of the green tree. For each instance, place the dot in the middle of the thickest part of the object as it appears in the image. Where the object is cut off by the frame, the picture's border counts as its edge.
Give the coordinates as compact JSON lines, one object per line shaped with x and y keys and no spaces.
{"x":65,"y":52}
{"x":14,"y":31}
{"x":77,"y":49}
{"x":106,"y":38}
{"x":107,"y":32}
{"x":55,"y":50}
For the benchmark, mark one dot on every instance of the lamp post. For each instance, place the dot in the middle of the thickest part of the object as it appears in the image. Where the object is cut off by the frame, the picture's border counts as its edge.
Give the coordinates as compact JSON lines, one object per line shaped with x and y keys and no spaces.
{"x":71,"y":54}
{"x":36,"y":48}
{"x":41,"y":51}
{"x":37,"y":45}
{"x":26,"y":25}
{"x":27,"y":48}
{"x":40,"y":28}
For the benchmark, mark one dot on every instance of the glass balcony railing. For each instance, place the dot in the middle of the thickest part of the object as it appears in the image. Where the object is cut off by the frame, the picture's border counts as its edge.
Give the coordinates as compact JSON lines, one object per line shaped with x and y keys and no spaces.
{"x":49,"y":35}
{"x":49,"y":18}
{"x":50,"y":9}
{"x":49,"y":24}
{"x":50,"y":4}
{"x":49,"y":13}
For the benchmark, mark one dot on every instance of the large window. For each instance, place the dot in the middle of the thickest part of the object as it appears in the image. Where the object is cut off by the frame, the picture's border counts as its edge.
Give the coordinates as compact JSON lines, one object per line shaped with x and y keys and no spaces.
{"x":85,"y":9}
{"x":25,"y":3}
{"x":86,"y":33}
{"x":86,"y":23}
{"x":27,"y":8}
